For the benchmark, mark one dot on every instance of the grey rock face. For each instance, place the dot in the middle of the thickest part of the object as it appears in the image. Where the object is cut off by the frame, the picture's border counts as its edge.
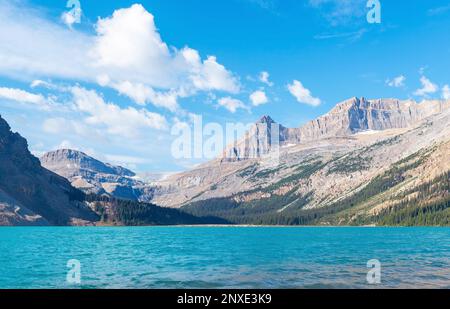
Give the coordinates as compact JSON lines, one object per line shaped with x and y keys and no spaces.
{"x":359,"y":136}
{"x":359,"y":114}
{"x":32,"y":195}
{"x":94,"y":176}
{"x":67,"y":159}
{"x":347,"y":118}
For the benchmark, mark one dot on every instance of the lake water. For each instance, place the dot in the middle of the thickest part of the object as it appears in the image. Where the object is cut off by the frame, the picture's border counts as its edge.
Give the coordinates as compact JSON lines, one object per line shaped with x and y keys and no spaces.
{"x":228,"y":257}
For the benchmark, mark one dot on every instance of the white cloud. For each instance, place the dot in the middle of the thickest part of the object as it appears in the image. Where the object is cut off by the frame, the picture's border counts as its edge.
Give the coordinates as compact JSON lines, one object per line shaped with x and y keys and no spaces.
{"x":209,"y":74}
{"x":302,"y":94}
{"x":264,"y":78}
{"x":21,"y":96}
{"x":33,"y":47}
{"x":126,"y":49}
{"x":126,"y":122}
{"x":25,"y":97}
{"x":38,"y":83}
{"x":231,"y":104}
{"x":142,"y":94}
{"x":60,"y":125}
{"x":427,"y":87}
{"x":396,"y":82}
{"x":446,"y":92}
{"x":258,"y":98}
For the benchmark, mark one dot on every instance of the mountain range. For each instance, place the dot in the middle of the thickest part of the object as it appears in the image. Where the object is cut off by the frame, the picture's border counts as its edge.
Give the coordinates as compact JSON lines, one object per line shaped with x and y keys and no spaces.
{"x":366,"y":162}
{"x":30,"y":194}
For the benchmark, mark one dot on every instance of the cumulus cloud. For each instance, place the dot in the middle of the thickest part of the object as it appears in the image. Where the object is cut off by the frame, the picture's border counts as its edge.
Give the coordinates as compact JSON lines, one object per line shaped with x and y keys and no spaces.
{"x":125,"y":50}
{"x":427,"y":87}
{"x":446,"y":92}
{"x":396,"y":82}
{"x":129,"y":49}
{"x":208,"y":74}
{"x":231,"y":104}
{"x":141,"y":94}
{"x":258,"y":98}
{"x":264,"y":78}
{"x":302,"y":94}
{"x":127,"y":122}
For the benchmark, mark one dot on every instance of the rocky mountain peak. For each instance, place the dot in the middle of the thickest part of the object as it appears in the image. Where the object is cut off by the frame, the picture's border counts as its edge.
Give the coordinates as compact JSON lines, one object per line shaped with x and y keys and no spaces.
{"x":93,"y":176}
{"x":76,"y":160}
{"x":30,"y":194}
{"x":346,"y":118}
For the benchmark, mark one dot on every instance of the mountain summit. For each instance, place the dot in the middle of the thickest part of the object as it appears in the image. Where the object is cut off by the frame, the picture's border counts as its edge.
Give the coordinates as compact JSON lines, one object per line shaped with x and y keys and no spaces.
{"x":93,"y":176}
{"x":68,"y":159}
{"x":364,"y":162}
{"x":347,"y":118}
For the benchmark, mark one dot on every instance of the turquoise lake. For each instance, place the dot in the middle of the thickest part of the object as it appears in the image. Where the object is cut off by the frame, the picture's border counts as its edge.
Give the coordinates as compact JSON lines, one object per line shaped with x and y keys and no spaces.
{"x":224,"y":257}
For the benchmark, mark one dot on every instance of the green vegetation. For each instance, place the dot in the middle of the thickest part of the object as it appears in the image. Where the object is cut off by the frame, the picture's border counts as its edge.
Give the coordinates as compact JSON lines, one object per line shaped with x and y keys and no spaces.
{"x":248,"y":171}
{"x":350,"y":164}
{"x":254,"y":212}
{"x":122,"y":212}
{"x":268,"y":172}
{"x":428,"y":206}
{"x":303,"y":171}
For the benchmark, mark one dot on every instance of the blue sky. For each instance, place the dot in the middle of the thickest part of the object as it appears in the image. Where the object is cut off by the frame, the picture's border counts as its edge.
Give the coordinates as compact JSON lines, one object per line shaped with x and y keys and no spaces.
{"x":114,"y":84}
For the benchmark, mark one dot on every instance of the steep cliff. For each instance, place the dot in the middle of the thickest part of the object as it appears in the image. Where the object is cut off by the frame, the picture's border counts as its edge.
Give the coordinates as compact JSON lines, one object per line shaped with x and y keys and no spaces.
{"x":347,"y":118}
{"x":32,"y":195}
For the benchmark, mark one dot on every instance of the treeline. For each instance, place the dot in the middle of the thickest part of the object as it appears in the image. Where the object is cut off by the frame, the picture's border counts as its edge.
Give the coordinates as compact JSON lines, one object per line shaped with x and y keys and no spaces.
{"x":131,"y":213}
{"x":430,"y":205}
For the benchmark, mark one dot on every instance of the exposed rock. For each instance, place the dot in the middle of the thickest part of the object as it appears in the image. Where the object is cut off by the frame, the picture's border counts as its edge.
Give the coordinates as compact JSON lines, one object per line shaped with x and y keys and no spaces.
{"x":347,"y":118}
{"x":93,"y":176}
{"x":32,"y":195}
{"x":326,"y":160}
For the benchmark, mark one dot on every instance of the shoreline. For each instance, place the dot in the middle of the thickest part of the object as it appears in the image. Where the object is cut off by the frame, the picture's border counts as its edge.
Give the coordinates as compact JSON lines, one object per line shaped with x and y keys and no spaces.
{"x":221,"y":226}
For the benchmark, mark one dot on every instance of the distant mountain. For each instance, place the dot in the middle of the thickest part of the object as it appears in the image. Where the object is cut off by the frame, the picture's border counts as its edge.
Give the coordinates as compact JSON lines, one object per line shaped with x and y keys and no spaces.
{"x":93,"y":176}
{"x":347,"y":118}
{"x":32,"y":195}
{"x":365,"y":162}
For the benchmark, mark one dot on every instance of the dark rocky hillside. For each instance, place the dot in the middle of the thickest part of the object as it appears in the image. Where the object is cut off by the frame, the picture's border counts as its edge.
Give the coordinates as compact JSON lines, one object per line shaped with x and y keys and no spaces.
{"x":32,"y":195}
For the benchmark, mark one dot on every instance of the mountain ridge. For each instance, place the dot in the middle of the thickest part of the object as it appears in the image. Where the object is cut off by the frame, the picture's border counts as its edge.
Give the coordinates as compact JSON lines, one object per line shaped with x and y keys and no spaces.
{"x":93,"y":176}
{"x":327,"y":168}
{"x":346,"y":118}
{"x":32,"y":195}
{"x":316,"y":174}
